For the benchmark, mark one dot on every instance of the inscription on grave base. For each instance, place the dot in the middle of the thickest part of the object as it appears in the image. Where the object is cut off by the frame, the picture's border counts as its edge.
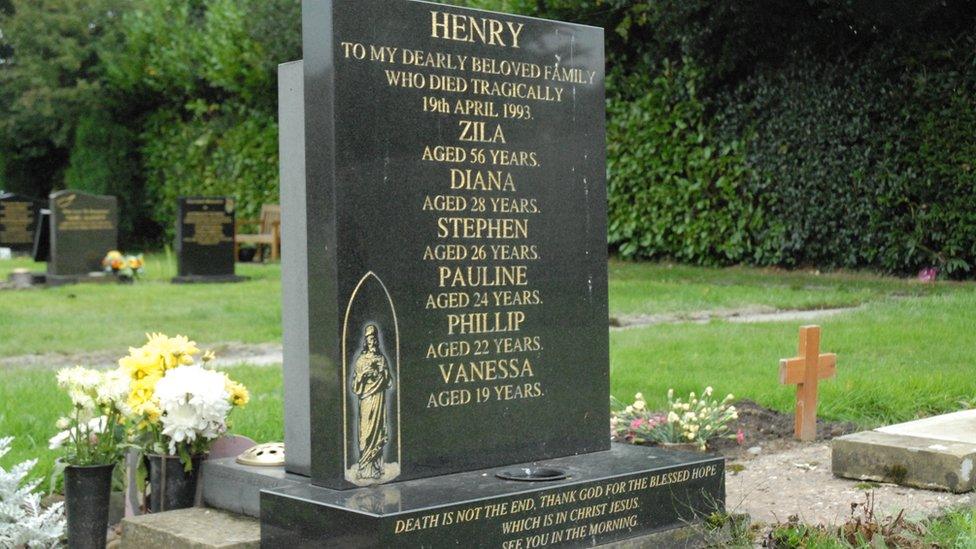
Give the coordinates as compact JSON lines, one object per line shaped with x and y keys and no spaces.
{"x":600,"y":503}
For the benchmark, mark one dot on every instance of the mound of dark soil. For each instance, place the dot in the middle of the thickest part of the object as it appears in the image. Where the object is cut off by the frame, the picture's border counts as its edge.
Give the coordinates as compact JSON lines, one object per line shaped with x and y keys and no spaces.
{"x":770,"y":429}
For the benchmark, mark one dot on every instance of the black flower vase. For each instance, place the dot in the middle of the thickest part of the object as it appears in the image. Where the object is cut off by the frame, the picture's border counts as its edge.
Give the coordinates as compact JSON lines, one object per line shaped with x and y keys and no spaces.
{"x":86,"y":500}
{"x":171,"y":487}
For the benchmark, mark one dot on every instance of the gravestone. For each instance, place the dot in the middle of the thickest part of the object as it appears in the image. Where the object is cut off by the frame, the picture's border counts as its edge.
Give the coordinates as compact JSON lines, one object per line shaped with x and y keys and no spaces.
{"x":444,"y":281}
{"x":41,"y":251}
{"x":84,"y":227}
{"x":18,"y":221}
{"x":205,"y":240}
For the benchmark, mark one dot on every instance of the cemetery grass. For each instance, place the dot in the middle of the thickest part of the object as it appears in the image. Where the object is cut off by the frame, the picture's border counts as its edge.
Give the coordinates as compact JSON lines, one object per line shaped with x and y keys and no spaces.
{"x":95,"y":317}
{"x":905,"y":352}
{"x":21,"y":416}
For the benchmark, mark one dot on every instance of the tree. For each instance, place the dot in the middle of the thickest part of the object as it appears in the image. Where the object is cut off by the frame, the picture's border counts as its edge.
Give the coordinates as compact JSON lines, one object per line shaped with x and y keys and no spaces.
{"x":49,"y":76}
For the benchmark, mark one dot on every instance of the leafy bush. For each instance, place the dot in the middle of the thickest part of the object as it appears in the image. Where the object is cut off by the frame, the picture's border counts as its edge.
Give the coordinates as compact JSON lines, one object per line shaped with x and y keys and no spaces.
{"x":674,"y":189}
{"x":858,"y":167}
{"x":105,"y":160}
{"x":23,"y":521}
{"x":218,"y":151}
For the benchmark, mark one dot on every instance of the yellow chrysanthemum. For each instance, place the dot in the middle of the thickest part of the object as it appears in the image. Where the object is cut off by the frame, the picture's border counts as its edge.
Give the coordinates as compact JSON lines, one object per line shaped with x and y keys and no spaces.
{"x":183,"y":350}
{"x":141,"y":364}
{"x":239,"y":395}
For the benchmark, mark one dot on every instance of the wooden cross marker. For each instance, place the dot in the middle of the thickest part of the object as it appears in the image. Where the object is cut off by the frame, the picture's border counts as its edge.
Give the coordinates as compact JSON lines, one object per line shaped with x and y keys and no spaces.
{"x":804,"y":371}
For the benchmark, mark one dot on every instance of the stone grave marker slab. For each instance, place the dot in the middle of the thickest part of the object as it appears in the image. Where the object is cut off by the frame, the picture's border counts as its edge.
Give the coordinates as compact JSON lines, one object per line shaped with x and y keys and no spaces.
{"x":84,"y":227}
{"x":205,"y":240}
{"x":18,"y":221}
{"x":937,"y":453}
{"x":455,"y":221}
{"x":41,"y":251}
{"x":444,"y":279}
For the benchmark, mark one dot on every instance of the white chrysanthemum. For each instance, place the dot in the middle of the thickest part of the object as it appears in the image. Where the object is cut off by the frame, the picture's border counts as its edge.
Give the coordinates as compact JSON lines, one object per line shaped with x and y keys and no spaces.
{"x":94,"y":426}
{"x":114,"y":387}
{"x":195,"y":404}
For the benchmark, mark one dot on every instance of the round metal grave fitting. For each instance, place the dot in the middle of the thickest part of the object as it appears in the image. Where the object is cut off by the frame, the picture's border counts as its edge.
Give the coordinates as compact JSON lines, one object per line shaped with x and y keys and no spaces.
{"x":269,"y":454}
{"x":533,"y":474}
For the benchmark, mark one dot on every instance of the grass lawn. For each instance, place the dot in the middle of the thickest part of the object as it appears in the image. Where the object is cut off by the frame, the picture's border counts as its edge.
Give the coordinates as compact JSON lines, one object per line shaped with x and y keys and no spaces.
{"x":96,"y":317}
{"x":907,"y":351}
{"x":22,"y":389}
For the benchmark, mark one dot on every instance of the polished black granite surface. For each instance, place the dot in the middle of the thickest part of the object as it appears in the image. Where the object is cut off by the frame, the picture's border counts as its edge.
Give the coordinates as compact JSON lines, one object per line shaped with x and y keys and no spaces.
{"x":465,"y":225}
{"x":625,"y":492}
{"x":18,"y":221}
{"x":205,"y":240}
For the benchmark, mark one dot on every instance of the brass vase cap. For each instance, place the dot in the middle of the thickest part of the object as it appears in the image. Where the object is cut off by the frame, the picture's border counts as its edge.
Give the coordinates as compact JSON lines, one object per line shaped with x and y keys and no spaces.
{"x":269,"y":454}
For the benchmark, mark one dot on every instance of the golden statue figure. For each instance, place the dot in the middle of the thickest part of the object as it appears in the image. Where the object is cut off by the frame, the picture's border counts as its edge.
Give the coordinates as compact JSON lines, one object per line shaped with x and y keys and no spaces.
{"x":372,"y":379}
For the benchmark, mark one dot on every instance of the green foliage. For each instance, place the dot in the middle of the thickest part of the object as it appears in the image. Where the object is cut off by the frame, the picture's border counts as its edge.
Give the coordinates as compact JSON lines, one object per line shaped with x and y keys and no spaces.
{"x":206,"y":80}
{"x":218,"y":151}
{"x":104,"y":160}
{"x":858,"y":168}
{"x":48,"y":78}
{"x":674,"y":189}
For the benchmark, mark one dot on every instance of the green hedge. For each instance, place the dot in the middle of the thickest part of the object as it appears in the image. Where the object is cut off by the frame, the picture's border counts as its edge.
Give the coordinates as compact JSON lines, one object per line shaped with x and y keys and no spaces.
{"x":847,"y":164}
{"x":218,"y":151}
{"x":675,"y":190}
{"x":105,"y":160}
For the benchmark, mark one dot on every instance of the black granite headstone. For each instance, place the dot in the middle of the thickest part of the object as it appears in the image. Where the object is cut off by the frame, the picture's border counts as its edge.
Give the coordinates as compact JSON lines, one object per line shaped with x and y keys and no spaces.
{"x":41,"y":252}
{"x":445,"y":290}
{"x":456,"y":207}
{"x":205,"y":240}
{"x":84,"y":227}
{"x":18,"y":221}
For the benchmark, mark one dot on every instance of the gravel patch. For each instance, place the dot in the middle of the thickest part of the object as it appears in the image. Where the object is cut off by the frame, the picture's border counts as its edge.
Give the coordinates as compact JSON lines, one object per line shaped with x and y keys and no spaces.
{"x":745,"y":315}
{"x":771,"y":487}
{"x":228,"y":354}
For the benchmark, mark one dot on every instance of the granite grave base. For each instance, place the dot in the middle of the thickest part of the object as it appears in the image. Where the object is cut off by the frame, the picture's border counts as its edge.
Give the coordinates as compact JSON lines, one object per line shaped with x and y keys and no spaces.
{"x":626,"y":492}
{"x":90,"y":278}
{"x":209,"y":279}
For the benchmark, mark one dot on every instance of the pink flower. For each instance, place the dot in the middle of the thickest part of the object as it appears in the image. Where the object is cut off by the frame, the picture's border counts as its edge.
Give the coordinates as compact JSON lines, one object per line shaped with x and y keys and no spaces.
{"x":928,"y":275}
{"x":636,"y":424}
{"x":740,"y":437}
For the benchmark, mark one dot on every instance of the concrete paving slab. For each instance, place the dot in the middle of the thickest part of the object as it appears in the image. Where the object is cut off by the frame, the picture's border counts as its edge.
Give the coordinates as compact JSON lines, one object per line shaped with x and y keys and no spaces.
{"x":955,"y":427}
{"x":194,"y":528}
{"x":937,"y":453}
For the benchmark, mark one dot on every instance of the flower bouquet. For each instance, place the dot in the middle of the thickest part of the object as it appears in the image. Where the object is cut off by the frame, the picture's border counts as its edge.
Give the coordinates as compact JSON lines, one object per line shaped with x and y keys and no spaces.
{"x":91,"y":441}
{"x":126,"y":267}
{"x":177,"y":409}
{"x":694,"y":422}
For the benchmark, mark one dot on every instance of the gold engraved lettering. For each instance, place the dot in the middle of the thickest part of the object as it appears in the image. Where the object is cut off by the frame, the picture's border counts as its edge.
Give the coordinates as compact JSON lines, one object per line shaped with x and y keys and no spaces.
{"x":466,"y":28}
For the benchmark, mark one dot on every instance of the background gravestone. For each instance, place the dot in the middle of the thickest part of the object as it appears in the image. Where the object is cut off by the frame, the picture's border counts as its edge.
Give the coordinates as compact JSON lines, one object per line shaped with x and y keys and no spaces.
{"x":205,"y":240}
{"x":18,"y":221}
{"x":41,"y":251}
{"x":84,"y":227}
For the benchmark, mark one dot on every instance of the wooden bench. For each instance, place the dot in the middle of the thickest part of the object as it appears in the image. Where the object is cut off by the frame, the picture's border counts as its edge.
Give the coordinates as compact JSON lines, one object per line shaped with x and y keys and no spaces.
{"x":269,"y":232}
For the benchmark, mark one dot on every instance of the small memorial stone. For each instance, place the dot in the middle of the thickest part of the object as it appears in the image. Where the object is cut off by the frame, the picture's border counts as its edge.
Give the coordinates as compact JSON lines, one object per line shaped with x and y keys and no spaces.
{"x":205,"y":240}
{"x":84,"y":227}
